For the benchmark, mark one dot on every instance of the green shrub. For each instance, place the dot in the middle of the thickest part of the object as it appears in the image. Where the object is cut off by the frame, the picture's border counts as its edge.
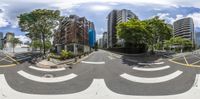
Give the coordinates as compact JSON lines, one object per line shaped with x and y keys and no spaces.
{"x":71,"y":55}
{"x":64,"y":54}
{"x":52,"y":55}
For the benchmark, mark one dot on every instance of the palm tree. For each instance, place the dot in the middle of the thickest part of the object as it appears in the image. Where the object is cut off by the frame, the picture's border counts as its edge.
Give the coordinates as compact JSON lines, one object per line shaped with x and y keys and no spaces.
{"x":14,"y":42}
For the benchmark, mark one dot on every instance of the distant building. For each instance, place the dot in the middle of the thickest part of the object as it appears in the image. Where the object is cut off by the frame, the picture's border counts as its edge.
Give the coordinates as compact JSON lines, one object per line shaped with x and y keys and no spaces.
{"x":100,"y":43}
{"x":92,"y":34}
{"x":197,"y":35}
{"x":184,"y":28}
{"x":115,"y":17}
{"x":1,"y":40}
{"x":73,"y":34}
{"x":105,"y":40}
{"x":7,"y":39}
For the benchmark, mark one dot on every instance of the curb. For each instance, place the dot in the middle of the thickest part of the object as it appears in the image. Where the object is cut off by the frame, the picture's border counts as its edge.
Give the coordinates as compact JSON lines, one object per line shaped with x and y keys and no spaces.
{"x":71,"y":61}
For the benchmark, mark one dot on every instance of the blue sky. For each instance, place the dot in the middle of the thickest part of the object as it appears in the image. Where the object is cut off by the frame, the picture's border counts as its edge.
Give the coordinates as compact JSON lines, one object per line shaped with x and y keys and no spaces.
{"x":97,"y":11}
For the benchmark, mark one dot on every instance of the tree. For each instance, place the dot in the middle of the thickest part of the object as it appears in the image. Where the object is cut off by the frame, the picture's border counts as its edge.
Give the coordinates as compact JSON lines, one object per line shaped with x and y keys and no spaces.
{"x":134,"y":33}
{"x":39,"y":24}
{"x":14,"y":42}
{"x":178,"y":43}
{"x":158,"y":31}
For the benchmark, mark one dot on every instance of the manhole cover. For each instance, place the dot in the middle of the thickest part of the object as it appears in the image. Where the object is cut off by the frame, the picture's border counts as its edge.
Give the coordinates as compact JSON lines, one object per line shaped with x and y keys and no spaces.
{"x":48,"y":76}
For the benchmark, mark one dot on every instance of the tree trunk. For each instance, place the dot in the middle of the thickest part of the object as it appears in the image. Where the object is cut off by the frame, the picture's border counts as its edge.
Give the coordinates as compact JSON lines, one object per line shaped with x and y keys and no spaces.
{"x":43,"y":39}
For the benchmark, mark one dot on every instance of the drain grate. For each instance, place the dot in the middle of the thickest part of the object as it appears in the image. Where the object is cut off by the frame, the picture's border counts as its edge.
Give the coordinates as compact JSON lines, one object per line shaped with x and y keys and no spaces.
{"x":48,"y":76}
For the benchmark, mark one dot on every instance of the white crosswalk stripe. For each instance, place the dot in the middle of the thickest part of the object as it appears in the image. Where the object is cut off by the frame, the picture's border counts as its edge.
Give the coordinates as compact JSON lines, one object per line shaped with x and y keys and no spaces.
{"x":152,"y":80}
{"x":151,"y":69}
{"x":46,"y":80}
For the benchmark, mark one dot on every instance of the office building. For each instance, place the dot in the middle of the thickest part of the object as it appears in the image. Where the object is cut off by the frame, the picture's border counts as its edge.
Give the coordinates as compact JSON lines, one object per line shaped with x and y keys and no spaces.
{"x":197,"y":42}
{"x":105,"y":40}
{"x":100,"y":43}
{"x":115,"y":17}
{"x":184,"y":28}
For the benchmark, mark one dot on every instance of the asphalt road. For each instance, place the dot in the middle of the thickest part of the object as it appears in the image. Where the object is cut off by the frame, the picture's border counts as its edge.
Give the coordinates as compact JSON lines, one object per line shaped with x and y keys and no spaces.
{"x":102,"y":65}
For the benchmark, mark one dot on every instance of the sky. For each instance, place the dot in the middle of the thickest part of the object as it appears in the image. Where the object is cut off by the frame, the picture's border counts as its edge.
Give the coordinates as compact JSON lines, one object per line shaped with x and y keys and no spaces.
{"x":97,"y":11}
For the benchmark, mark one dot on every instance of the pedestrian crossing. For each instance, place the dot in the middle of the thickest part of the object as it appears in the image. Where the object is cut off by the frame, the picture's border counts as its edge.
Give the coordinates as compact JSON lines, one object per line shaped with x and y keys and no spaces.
{"x":159,"y":79}
{"x":151,"y":69}
{"x":46,"y":69}
{"x":151,"y":80}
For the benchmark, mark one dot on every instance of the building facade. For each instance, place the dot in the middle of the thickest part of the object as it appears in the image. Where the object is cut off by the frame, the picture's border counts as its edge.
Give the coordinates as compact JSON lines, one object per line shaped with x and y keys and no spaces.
{"x":197,"y":35}
{"x":184,"y":28}
{"x":92,"y":34}
{"x":7,"y":38}
{"x":115,"y":17}
{"x":1,"y":40}
{"x":72,"y":35}
{"x":105,"y":40}
{"x":100,"y":43}
{"x":111,"y":26}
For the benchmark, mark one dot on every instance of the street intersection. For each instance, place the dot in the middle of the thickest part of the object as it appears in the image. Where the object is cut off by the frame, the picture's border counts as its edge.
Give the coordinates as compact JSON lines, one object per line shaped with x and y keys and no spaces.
{"x":102,"y":75}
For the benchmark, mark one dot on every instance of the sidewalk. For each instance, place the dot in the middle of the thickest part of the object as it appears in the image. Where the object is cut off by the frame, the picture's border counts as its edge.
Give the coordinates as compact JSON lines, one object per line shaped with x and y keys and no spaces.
{"x":54,"y":63}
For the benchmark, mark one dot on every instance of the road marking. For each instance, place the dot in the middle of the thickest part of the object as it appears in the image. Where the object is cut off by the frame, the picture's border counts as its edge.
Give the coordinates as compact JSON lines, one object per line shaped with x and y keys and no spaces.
{"x":3,"y":58}
{"x":46,"y":80}
{"x":97,"y":90}
{"x":10,"y":65}
{"x":159,"y":63}
{"x":151,"y":69}
{"x":196,"y":62}
{"x":110,"y":57}
{"x":186,"y":61}
{"x":47,"y":70}
{"x":191,"y":65}
{"x":156,"y":63}
{"x":196,"y":56}
{"x":7,"y":61}
{"x":151,"y":80}
{"x":87,"y":62}
{"x":11,"y":58}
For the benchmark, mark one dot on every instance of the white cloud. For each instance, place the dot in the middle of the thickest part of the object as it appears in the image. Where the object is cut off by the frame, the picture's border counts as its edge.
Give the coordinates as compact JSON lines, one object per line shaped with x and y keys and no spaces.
{"x":196,"y":19}
{"x":98,"y":36}
{"x":194,"y":16}
{"x":166,"y":17}
{"x":100,"y":7}
{"x":3,"y":21}
{"x":23,"y":38}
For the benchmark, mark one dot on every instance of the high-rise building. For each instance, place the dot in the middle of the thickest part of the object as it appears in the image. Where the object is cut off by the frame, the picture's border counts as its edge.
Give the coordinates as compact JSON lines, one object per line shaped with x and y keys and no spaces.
{"x":124,"y":15}
{"x":112,"y":23}
{"x":1,"y":40}
{"x":100,"y":43}
{"x":105,"y":40}
{"x":184,"y":28}
{"x":73,"y":34}
{"x":115,"y":17}
{"x":197,"y":42}
{"x":92,"y":34}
